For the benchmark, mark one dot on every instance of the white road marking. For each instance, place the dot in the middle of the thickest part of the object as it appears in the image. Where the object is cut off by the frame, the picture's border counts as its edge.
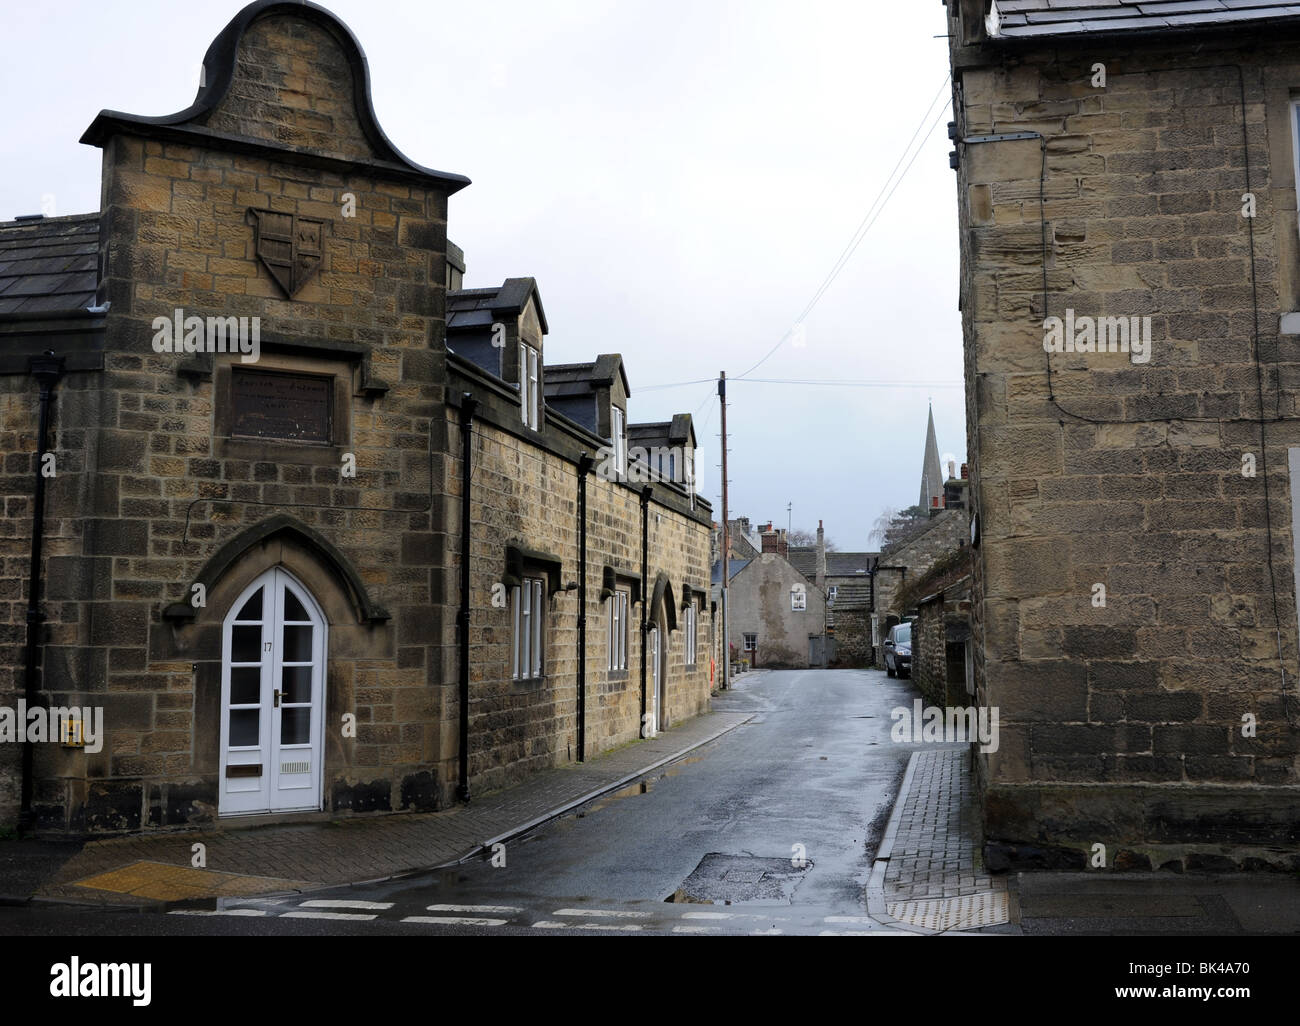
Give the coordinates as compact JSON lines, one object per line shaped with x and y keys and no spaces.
{"x":550,"y":925}
{"x":378,"y":906}
{"x":734,"y":915}
{"x":453,"y":921}
{"x":865,"y":920}
{"x":774,"y":932}
{"x":347,"y":916}
{"x":217,"y":912}
{"x":696,"y":929}
{"x":594,"y":913}
{"x":473,"y":908}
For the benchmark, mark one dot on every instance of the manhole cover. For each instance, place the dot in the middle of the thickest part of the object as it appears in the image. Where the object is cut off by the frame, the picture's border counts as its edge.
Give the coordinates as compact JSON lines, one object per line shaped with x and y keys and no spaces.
{"x":729,"y":879}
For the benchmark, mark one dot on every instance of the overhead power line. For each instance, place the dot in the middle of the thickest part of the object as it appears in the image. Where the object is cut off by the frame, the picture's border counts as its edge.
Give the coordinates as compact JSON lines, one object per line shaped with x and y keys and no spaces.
{"x":868,"y":219}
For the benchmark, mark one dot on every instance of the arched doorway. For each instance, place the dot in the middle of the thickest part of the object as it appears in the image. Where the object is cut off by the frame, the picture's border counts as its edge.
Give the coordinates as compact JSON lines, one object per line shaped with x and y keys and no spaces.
{"x":272,"y":697}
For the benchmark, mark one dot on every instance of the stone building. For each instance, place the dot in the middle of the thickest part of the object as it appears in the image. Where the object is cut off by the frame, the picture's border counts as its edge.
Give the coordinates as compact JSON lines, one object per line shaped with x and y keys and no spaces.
{"x":248,"y":409}
{"x":845,"y":579}
{"x":778,"y":616}
{"x":1129,"y":292}
{"x":942,"y":658}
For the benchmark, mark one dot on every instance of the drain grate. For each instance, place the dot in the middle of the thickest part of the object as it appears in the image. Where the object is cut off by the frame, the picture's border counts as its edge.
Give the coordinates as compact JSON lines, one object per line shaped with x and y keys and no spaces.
{"x":965,"y":912}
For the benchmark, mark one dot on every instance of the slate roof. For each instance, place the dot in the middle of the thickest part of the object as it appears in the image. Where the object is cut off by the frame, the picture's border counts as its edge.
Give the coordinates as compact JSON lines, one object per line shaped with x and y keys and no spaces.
{"x":846,"y":564}
{"x":852,"y":595}
{"x":49,"y":265}
{"x":565,"y":379}
{"x":838,"y":564}
{"x":664,"y":433}
{"x":1028,"y":19}
{"x":477,"y":308}
{"x":734,"y":565}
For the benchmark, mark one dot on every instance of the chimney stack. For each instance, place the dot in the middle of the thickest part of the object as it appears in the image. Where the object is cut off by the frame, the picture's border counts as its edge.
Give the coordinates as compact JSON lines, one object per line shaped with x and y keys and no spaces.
{"x":821,"y":556}
{"x":775,"y":541}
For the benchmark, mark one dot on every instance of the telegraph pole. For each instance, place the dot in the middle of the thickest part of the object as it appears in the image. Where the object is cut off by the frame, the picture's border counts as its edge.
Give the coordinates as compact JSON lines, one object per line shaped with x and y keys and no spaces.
{"x":726,"y":539}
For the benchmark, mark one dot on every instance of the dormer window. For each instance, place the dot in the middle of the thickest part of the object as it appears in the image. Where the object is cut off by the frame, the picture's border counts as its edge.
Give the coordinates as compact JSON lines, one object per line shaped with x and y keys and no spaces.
{"x":619,"y":422}
{"x":529,"y":390}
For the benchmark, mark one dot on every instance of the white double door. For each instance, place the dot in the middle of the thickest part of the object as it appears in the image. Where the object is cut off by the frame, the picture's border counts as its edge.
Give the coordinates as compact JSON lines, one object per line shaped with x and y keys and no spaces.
{"x":658,"y":720}
{"x":272,"y":699}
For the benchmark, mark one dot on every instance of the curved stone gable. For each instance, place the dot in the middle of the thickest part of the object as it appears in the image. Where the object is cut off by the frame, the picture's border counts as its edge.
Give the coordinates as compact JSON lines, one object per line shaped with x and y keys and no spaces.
{"x":293,"y":84}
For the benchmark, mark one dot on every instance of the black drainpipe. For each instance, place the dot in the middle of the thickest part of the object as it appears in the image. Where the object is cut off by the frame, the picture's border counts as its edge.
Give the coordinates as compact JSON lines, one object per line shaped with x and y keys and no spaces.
{"x":645,"y":597}
{"x":46,"y":369}
{"x":584,"y":467}
{"x":467,"y":407}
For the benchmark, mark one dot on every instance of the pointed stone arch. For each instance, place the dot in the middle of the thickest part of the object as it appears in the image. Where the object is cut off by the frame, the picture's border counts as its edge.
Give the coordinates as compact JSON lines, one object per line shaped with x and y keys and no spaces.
{"x":663,"y":590}
{"x":282,"y":540}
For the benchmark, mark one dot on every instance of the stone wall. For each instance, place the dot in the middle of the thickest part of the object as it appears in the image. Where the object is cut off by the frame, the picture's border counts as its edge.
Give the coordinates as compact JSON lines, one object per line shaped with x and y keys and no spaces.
{"x":526,"y":493}
{"x":1122,"y":710}
{"x":761,"y":605}
{"x":947,"y":532}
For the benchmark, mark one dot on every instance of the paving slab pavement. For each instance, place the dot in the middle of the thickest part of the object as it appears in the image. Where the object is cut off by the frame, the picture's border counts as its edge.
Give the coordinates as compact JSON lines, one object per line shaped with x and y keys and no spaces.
{"x":141,"y":870}
{"x":929,"y":878}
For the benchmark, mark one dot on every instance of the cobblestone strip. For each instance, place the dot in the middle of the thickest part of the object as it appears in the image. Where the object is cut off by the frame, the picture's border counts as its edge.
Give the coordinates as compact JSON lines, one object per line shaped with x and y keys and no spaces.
{"x":928,"y":868}
{"x":364,"y":849}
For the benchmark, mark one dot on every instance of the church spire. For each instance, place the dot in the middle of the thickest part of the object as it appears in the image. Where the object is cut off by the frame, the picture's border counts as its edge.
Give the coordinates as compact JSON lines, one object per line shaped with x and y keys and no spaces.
{"x":931,"y":471}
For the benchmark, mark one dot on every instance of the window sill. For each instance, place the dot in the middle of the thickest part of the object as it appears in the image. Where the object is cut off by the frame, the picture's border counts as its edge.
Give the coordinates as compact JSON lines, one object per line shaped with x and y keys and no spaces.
{"x":616,"y":675}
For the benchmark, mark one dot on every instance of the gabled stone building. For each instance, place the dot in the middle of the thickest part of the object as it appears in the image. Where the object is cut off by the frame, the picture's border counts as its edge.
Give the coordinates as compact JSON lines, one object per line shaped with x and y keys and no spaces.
{"x":1126,"y":182}
{"x":844,"y":578}
{"x":247,"y":411}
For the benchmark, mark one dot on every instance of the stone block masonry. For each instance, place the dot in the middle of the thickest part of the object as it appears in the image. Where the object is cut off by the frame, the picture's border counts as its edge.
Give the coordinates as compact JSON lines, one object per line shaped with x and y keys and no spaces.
{"x":1134,"y":599}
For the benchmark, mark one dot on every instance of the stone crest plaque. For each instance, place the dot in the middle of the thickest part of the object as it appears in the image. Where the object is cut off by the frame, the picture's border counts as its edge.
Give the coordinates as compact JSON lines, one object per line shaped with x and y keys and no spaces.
{"x":289,"y":246}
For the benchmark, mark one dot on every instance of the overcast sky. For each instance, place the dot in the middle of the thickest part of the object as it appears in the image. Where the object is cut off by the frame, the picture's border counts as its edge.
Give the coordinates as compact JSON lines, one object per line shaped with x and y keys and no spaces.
{"x":679,"y":175}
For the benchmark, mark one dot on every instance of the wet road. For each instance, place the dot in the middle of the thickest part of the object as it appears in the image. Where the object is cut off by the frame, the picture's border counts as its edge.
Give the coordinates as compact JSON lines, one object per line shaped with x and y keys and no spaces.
{"x":771,"y":828}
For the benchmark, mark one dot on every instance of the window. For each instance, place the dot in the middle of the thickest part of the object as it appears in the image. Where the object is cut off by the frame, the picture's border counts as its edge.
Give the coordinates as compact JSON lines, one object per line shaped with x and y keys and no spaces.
{"x":618,"y":607}
{"x":528,"y":385}
{"x":798,"y":599}
{"x":751,"y":642}
{"x":832,"y":592}
{"x":690,"y":634}
{"x":526,"y":619}
{"x":620,"y":441}
{"x":1295,"y":142}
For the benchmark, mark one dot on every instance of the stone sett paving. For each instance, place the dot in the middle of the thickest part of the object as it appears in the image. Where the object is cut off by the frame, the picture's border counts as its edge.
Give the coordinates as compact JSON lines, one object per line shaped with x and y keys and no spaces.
{"x":297,"y":856}
{"x":935,"y":857}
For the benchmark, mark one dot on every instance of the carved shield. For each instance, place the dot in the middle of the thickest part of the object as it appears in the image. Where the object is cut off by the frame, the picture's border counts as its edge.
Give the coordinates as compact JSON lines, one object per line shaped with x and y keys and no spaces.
{"x":289,"y":246}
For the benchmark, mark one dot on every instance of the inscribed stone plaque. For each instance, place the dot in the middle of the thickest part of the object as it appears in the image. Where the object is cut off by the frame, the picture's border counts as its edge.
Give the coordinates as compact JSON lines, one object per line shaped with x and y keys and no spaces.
{"x":268,"y":404}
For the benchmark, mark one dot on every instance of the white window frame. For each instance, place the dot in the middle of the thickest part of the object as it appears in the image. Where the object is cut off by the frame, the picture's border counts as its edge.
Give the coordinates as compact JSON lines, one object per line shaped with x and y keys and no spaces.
{"x":619,"y":427}
{"x":529,"y":363}
{"x":528,"y":629}
{"x":1295,"y":148}
{"x":751,"y":642}
{"x":691,"y":628}
{"x":619,"y":605}
{"x":832,"y":592}
{"x":798,"y":600}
